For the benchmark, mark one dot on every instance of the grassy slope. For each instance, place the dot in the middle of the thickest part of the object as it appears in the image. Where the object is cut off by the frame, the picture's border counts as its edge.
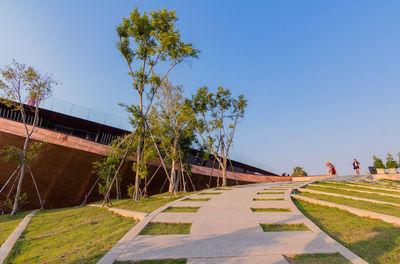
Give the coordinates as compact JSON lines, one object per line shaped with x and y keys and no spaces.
{"x":72,"y":235}
{"x":370,"y":206}
{"x":372,"y":196}
{"x":8,"y":223}
{"x":347,"y":186}
{"x":147,"y":205}
{"x":373,"y":240}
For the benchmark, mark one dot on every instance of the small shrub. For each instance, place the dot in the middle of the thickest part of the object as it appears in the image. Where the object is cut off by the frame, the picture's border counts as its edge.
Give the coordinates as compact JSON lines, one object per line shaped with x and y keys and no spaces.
{"x":298,"y":171}
{"x":131,"y":190}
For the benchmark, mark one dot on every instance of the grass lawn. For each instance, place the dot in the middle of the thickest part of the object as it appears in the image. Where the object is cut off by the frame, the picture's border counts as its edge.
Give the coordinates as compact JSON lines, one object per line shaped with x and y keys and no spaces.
{"x":147,"y":205}
{"x":159,"y":228}
{"x":373,"y":240}
{"x":157,"y":261}
{"x":209,"y":193}
{"x":268,"y":199}
{"x":372,"y":196}
{"x":269,"y":209}
{"x":189,"y":209}
{"x":196,"y":199}
{"x":317,"y":259}
{"x":347,"y":186}
{"x":72,"y":235}
{"x":270,"y":192}
{"x":8,"y":223}
{"x":370,"y":206}
{"x":284,"y":227}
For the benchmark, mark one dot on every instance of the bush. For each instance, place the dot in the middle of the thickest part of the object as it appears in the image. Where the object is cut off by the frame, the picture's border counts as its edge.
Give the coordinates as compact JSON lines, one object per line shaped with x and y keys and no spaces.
{"x":131,"y":190}
{"x":298,"y":171}
{"x":378,"y":163}
{"x":390,"y":162}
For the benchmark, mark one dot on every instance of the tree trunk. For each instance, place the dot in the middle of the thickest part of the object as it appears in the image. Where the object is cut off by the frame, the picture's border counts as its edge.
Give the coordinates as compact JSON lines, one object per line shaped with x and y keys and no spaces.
{"x":136,"y":196}
{"x":224,"y":173}
{"x":172,"y":183}
{"x":21,"y":177}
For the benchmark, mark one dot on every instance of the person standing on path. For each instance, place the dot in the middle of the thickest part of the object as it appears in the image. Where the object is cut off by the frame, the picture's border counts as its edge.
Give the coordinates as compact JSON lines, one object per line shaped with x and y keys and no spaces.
{"x":331,"y":169}
{"x":356,"y":166}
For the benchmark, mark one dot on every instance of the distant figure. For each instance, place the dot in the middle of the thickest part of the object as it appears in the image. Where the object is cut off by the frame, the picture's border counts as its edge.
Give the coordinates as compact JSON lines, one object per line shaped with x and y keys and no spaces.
{"x":284,"y":174}
{"x":356,"y":166}
{"x":331,"y":169}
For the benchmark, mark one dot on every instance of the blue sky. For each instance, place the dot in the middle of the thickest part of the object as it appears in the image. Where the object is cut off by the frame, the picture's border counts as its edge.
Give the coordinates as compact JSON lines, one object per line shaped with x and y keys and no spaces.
{"x":321,"y":77}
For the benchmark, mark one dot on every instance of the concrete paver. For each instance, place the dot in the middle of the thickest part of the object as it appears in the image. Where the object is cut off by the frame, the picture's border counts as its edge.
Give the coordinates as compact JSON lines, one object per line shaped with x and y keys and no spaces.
{"x":225,"y":230}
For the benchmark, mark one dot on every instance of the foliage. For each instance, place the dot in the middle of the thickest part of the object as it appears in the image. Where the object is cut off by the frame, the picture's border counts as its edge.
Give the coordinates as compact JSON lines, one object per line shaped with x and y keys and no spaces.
{"x":22,"y":201}
{"x":173,"y":125}
{"x":378,"y":163}
{"x":298,"y":171}
{"x":14,"y":154}
{"x":217,"y":115}
{"x":18,"y":83}
{"x":390,"y":162}
{"x":150,"y":44}
{"x":131,"y":190}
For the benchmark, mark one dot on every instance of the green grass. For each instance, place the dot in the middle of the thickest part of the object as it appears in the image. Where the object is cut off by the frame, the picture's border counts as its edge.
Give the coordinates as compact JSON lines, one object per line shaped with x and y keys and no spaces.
{"x":156,"y":261}
{"x":379,"y":185}
{"x":370,"y":206}
{"x":72,"y":235}
{"x":270,"y":209}
{"x":347,"y":186}
{"x":8,"y":223}
{"x":270,"y":192}
{"x":373,"y":240}
{"x":372,"y":196}
{"x":283,"y":227}
{"x":159,"y":228}
{"x":209,"y":193}
{"x":147,"y":205}
{"x":196,"y":199}
{"x":335,"y":258}
{"x":268,"y":199}
{"x":188,"y":209}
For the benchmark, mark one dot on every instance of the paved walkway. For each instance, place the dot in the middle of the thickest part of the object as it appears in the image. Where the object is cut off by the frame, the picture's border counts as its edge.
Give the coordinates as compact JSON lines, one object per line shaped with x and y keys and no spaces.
{"x":225,"y":230}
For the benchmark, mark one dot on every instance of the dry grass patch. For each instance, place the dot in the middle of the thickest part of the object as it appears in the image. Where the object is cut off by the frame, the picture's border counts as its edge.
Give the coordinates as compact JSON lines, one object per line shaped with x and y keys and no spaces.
{"x":283,"y":227}
{"x":269,"y":209}
{"x":160,"y":228}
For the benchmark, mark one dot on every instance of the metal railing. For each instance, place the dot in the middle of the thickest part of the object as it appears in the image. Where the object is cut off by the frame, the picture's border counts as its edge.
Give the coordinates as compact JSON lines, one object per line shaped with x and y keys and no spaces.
{"x":79,"y":111}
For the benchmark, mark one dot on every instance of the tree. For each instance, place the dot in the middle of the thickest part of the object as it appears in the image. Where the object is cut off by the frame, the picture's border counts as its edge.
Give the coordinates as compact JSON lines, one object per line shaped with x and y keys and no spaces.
{"x":378,"y":163}
{"x":390,"y":162}
{"x":217,"y":116}
{"x":298,"y":171}
{"x":149,"y":44}
{"x":18,"y":84}
{"x":172,"y":122}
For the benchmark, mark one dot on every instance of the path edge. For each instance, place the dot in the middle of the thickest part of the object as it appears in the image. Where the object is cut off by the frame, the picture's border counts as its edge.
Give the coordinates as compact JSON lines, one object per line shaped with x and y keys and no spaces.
{"x":7,"y":246}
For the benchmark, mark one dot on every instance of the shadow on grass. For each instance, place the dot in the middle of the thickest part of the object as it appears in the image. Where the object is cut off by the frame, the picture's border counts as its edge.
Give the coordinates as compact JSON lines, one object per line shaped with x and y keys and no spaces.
{"x":373,"y":240}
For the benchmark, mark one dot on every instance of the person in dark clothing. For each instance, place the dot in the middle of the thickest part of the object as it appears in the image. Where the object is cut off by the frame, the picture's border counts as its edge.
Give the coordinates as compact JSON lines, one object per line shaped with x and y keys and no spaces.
{"x":356,"y":166}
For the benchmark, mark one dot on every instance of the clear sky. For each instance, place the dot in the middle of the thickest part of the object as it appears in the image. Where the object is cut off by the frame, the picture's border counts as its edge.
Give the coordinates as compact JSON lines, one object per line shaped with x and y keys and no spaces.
{"x":322,"y":77}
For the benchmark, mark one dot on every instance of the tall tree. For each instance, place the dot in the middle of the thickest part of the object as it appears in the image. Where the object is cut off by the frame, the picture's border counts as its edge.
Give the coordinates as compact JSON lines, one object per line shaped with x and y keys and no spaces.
{"x":217,"y":117}
{"x":172,"y":122}
{"x":18,"y":84}
{"x":151,"y":46}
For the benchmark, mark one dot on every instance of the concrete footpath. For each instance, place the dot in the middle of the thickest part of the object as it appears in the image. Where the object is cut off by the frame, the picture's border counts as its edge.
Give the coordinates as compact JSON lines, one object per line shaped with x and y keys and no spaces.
{"x":226,"y":230}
